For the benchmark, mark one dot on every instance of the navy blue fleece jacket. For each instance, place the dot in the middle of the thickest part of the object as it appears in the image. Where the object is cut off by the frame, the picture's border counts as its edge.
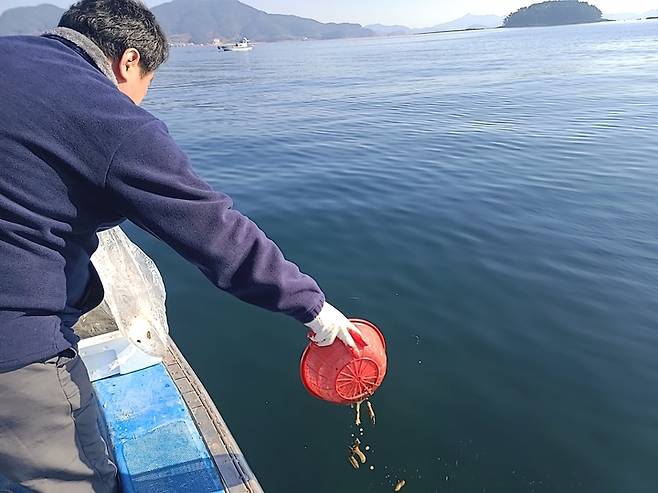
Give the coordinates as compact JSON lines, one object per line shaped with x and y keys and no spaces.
{"x":77,"y":156}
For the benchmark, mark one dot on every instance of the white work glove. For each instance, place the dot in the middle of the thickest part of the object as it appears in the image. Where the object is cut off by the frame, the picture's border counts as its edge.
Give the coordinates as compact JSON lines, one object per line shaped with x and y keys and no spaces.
{"x":331,"y":324}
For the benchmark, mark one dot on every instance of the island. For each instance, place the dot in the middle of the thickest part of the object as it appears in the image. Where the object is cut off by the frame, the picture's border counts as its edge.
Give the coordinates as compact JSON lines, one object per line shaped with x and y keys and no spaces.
{"x":554,"y":13}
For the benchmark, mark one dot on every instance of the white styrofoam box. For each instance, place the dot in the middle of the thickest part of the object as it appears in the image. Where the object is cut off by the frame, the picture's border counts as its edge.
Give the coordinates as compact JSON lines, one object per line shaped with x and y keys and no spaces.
{"x":113,"y":354}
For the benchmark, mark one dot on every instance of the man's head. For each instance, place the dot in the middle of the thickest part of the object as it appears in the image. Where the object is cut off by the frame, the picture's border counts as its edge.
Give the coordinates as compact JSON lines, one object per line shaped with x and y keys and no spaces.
{"x":128,"y":34}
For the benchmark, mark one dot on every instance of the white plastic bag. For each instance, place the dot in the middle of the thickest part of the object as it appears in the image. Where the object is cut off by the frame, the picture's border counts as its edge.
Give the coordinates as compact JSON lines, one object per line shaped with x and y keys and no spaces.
{"x":134,"y":291}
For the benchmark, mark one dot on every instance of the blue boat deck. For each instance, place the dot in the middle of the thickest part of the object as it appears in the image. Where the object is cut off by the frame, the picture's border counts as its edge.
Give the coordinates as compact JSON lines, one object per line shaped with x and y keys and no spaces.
{"x":155,"y":442}
{"x":167,"y":435}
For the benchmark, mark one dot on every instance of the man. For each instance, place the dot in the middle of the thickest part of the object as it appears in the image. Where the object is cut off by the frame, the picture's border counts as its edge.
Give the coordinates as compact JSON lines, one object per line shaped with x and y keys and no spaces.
{"x":77,"y":155}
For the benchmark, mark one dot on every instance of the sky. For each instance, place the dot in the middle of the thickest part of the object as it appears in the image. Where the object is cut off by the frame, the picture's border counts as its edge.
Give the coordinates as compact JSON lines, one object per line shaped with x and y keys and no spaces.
{"x":411,"y":13}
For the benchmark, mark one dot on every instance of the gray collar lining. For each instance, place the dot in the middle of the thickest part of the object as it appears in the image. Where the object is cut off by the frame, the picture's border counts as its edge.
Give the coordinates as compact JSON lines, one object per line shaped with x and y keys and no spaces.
{"x":89,"y":47}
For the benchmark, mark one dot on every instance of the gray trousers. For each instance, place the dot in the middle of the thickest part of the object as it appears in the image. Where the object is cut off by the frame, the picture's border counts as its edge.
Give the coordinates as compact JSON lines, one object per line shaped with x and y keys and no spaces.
{"x":50,"y":441}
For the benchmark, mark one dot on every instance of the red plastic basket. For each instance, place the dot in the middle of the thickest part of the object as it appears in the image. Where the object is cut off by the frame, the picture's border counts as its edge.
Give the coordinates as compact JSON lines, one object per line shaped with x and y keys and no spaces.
{"x":334,"y":374}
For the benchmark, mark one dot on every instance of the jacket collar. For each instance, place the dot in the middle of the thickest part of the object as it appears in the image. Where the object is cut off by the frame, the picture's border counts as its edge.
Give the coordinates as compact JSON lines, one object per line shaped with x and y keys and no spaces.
{"x":87,"y":46}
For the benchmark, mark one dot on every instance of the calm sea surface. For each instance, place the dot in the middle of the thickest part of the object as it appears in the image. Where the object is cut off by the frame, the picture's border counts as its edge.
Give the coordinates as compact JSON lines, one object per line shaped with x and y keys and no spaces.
{"x":489,"y":199}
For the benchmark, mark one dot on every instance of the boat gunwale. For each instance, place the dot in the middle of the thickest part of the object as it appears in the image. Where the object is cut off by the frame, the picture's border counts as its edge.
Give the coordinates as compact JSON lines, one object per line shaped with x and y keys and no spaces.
{"x":213,"y":429}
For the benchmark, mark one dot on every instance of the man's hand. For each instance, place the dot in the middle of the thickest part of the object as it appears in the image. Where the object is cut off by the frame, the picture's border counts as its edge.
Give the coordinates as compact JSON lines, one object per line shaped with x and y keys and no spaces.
{"x":331,"y":324}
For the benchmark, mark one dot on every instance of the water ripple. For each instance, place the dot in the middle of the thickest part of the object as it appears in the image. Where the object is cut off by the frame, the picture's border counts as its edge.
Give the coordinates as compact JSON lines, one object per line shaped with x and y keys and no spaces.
{"x":489,"y":199}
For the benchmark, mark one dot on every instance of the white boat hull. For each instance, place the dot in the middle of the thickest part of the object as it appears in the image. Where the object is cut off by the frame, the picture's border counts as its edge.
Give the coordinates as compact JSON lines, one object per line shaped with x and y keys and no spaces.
{"x":236,"y":47}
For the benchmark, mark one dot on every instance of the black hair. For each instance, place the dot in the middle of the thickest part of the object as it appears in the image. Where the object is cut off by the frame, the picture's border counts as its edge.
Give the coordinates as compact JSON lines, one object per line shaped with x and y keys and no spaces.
{"x":117,"y":25}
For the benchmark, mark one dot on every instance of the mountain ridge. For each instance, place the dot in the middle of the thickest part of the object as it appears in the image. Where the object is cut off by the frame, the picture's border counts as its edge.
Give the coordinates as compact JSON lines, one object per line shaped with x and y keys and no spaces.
{"x":199,"y":21}
{"x":204,"y":20}
{"x":30,"y":20}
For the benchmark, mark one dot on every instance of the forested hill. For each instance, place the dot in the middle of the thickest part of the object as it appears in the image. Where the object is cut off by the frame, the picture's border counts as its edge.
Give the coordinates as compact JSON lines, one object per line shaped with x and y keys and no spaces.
{"x":554,"y":13}
{"x":29,"y":20}
{"x":200,"y":21}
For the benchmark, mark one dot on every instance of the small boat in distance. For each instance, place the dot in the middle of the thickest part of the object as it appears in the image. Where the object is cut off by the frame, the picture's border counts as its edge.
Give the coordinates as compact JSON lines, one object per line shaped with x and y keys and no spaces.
{"x":244,"y":45}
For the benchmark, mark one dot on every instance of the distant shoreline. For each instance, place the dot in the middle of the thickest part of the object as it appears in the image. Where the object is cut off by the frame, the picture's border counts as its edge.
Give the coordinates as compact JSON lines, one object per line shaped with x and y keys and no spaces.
{"x":425,"y":33}
{"x":519,"y":27}
{"x":564,"y":24}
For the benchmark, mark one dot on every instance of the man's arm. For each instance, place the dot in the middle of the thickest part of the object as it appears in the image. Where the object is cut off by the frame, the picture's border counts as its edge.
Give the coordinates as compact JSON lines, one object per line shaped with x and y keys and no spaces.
{"x":151,"y":182}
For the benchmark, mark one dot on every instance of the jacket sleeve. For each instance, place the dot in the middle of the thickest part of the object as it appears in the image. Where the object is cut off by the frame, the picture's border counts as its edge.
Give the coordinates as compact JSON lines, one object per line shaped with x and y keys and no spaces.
{"x":150,"y":181}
